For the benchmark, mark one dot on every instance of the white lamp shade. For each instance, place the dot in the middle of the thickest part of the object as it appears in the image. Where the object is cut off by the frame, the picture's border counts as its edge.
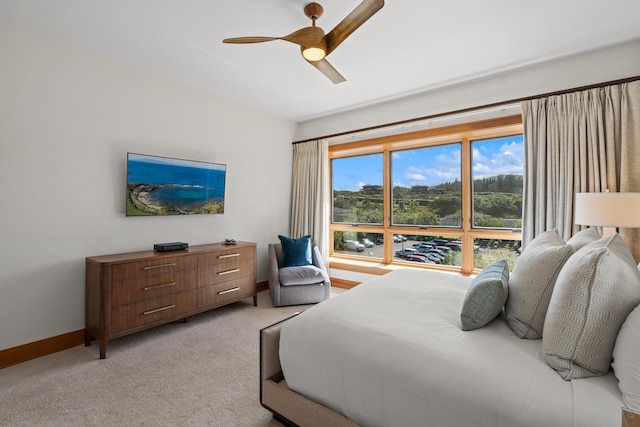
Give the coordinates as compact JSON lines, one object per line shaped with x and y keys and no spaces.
{"x":608,"y":209}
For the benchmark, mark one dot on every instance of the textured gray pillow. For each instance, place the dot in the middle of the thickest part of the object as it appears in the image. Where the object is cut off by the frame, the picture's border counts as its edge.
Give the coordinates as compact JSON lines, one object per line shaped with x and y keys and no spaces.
{"x":532,"y":281}
{"x":301,"y":275}
{"x":595,"y":292}
{"x":584,"y":237}
{"x":486,"y":296}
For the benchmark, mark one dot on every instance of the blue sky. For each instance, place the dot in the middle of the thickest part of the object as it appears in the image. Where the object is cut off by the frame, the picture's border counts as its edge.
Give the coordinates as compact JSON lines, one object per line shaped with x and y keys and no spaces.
{"x":431,"y":166}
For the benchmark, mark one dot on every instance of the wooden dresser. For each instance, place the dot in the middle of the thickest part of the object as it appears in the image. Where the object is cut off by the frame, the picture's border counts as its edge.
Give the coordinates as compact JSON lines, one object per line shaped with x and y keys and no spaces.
{"x":129,"y":292}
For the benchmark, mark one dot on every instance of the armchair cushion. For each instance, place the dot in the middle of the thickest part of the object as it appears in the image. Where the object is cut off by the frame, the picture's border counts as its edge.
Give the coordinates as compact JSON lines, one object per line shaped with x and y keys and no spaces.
{"x":296,"y":252}
{"x":302,"y":275}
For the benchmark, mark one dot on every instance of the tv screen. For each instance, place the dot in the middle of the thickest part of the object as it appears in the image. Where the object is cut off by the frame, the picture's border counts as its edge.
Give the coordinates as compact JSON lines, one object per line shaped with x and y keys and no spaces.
{"x":166,"y":186}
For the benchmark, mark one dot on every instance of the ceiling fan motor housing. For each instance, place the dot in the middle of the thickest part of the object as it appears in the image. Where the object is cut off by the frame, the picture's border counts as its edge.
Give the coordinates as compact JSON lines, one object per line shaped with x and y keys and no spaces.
{"x":313,"y":11}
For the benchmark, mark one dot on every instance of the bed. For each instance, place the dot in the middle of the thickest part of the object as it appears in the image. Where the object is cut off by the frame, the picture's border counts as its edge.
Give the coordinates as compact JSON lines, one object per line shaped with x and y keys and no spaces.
{"x":391,"y":352}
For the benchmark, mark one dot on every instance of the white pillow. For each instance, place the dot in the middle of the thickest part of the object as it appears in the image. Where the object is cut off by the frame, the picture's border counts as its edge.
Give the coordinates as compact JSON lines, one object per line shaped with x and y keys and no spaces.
{"x":595,"y":292}
{"x":532,"y":281}
{"x":584,"y":237}
{"x":626,"y":361}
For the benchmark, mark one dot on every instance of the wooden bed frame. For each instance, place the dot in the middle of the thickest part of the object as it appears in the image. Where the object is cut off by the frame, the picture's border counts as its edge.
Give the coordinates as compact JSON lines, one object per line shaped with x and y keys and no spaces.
{"x":287,"y":406}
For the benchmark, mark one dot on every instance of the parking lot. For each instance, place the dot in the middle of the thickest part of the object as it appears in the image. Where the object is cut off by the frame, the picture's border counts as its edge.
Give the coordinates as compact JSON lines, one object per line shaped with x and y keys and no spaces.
{"x":377,"y":251}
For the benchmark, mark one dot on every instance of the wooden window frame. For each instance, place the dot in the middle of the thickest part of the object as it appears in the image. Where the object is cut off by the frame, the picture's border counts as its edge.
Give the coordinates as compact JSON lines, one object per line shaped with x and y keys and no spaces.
{"x":464,"y":134}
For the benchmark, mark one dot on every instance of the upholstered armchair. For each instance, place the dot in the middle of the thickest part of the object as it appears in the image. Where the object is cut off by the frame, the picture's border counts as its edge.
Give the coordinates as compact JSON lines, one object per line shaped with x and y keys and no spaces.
{"x":307,"y":284}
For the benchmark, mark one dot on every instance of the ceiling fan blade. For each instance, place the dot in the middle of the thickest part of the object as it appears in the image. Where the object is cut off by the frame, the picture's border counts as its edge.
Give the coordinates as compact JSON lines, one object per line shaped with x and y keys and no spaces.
{"x":239,"y":40}
{"x":327,"y":69}
{"x":352,"y":22}
{"x":308,"y":36}
{"x":303,"y":37}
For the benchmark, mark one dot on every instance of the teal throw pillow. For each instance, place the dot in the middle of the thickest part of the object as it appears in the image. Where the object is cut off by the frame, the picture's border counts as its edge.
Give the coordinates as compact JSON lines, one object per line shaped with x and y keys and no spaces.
{"x":296,"y":252}
{"x":486,"y":296}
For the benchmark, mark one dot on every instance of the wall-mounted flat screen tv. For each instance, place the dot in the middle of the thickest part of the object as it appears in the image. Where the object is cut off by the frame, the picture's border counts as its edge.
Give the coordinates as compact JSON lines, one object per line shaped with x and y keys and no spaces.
{"x":166,"y":186}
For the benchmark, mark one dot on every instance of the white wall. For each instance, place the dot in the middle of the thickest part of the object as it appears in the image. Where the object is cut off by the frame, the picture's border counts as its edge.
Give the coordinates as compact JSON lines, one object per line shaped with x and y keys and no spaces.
{"x":67,"y":120}
{"x":616,"y":62}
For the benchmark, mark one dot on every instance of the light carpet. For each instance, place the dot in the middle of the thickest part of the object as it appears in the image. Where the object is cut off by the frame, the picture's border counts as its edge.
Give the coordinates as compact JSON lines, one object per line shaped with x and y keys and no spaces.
{"x":201,"y":373}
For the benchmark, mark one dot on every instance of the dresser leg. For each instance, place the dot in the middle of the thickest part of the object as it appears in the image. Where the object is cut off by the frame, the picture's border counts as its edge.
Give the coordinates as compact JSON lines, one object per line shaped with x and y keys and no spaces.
{"x":87,"y":338}
{"x":103,"y":349}
{"x":255,"y":300}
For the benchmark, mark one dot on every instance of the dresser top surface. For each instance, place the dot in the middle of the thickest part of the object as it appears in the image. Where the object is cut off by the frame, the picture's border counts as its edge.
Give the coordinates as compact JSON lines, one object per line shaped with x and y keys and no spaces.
{"x":133,"y":256}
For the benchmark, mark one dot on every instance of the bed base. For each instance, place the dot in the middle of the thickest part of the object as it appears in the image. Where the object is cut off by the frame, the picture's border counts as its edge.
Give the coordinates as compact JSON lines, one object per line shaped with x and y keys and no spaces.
{"x":287,"y":406}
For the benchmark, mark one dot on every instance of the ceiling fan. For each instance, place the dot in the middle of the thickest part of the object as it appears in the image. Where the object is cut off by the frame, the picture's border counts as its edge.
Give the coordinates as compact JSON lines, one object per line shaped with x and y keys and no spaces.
{"x":315,"y":45}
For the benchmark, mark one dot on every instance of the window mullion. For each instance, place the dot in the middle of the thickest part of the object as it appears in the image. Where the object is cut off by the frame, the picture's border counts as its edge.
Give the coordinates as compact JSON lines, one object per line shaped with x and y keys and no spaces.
{"x":388,"y":206}
{"x":467,"y":211}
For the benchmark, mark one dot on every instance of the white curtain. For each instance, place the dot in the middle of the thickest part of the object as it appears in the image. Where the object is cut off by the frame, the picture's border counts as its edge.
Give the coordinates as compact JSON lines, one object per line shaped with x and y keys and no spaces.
{"x":586,"y":141}
{"x":309,"y":192}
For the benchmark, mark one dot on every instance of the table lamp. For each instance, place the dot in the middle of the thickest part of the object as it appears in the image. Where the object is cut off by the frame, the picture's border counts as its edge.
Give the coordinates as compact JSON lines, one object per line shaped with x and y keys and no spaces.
{"x":608,"y":210}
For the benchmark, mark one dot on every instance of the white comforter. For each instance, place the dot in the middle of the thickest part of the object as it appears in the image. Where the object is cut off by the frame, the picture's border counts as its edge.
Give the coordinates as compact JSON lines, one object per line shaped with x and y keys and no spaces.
{"x":390,"y":352}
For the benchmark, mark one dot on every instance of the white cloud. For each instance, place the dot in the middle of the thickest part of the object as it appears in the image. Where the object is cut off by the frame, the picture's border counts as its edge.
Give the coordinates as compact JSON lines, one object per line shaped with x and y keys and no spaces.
{"x":443,"y":167}
{"x":507,"y":160}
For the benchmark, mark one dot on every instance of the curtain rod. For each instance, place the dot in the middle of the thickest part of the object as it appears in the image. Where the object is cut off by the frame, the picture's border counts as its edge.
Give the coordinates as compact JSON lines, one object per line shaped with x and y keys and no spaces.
{"x":467,"y":110}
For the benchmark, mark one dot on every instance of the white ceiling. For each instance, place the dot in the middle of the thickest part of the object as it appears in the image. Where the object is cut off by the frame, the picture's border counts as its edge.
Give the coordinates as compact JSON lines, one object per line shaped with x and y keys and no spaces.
{"x":408,"y":47}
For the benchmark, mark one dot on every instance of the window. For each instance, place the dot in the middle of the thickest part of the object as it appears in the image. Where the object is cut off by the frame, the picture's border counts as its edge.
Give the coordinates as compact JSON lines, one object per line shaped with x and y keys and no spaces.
{"x":442,"y":198}
{"x":426,"y":186}
{"x":497,"y":170}
{"x":357,"y":189}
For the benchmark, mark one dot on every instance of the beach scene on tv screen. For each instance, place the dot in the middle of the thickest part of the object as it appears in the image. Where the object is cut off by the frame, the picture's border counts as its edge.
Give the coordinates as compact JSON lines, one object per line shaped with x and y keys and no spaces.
{"x":166,"y":186}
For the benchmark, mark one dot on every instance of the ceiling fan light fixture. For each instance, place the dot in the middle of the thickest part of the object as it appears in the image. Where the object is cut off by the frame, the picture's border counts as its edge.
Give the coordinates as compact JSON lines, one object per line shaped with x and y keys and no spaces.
{"x":313,"y":53}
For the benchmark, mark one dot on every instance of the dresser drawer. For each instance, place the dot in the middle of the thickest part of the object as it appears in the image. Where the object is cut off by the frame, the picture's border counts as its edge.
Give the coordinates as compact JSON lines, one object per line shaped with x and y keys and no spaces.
{"x":227,"y":255}
{"x":145,"y":288}
{"x":221,"y":292}
{"x":224,"y":272}
{"x":151,"y":267}
{"x":143,"y":313}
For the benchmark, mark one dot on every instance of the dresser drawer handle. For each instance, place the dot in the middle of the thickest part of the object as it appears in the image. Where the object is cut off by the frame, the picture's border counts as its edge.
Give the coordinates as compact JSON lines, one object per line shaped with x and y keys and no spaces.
{"x":222,"y":273}
{"x":159,"y":309}
{"x":164,"y":285}
{"x":229,"y":290}
{"x":173,"y":264}
{"x":228,"y":256}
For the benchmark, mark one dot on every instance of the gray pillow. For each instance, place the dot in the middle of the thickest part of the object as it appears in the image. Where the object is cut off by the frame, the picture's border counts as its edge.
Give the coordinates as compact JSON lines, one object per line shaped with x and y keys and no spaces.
{"x":626,"y":360}
{"x":486,"y":296}
{"x":584,"y":237}
{"x":595,"y":292}
{"x":532,"y":281}
{"x":301,"y":275}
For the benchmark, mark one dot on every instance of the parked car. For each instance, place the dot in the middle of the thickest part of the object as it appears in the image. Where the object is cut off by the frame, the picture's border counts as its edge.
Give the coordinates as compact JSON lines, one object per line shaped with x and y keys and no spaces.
{"x":432,"y":255}
{"x":423,"y":245}
{"x":396,"y":239}
{"x":401,"y":237}
{"x":367,"y":243}
{"x":454,"y":246}
{"x":406,"y":251}
{"x":418,"y":258}
{"x":437,"y":251}
{"x":379,"y":240}
{"x":352,"y":245}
